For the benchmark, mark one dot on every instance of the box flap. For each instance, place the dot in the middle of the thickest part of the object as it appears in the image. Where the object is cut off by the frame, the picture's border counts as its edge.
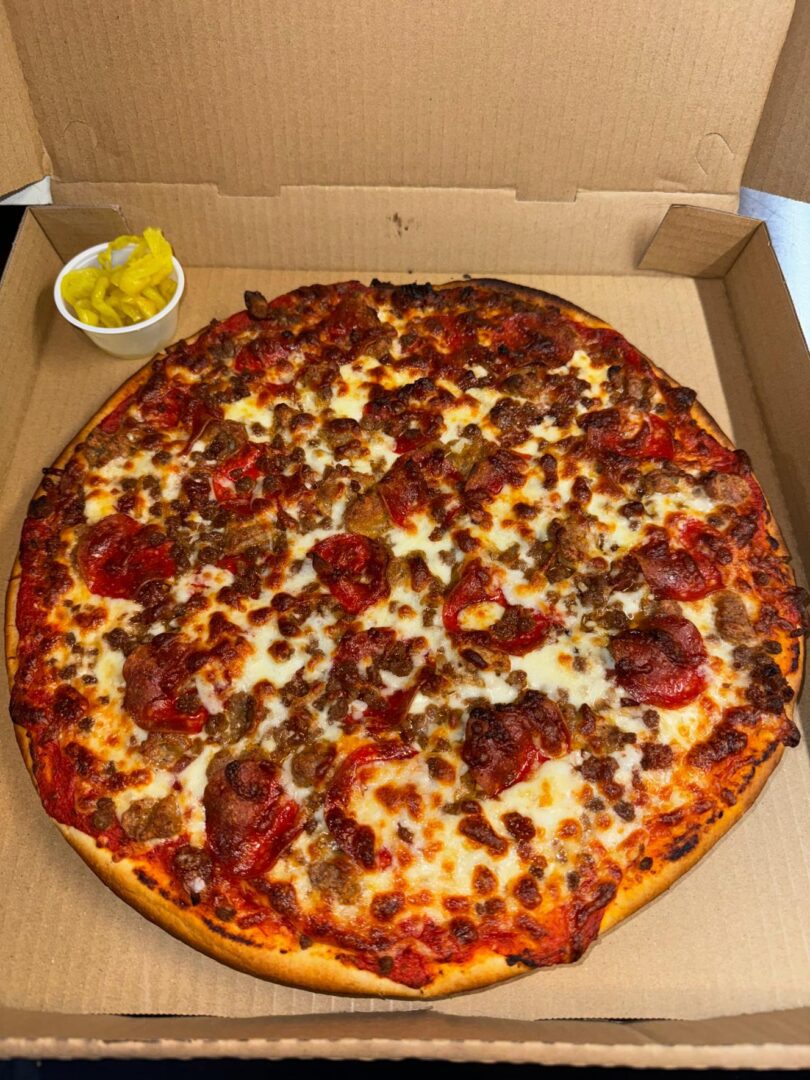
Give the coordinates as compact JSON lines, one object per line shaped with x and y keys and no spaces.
{"x":692,"y":241}
{"x":332,"y":228}
{"x":780,"y":157}
{"x":775,"y":1040}
{"x":70,"y":232}
{"x":22,"y":158}
{"x":545,"y":98}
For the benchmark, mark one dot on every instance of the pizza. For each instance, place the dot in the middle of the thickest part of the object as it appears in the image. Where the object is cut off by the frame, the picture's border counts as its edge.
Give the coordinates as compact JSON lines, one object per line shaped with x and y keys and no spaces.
{"x":397,"y":640}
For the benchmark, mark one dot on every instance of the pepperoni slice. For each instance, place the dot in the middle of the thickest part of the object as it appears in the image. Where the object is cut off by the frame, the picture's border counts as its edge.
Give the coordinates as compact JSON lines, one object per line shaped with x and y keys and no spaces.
{"x":197,"y":417}
{"x":606,"y":431}
{"x":415,"y":482}
{"x":249,"y":820}
{"x":384,"y":711}
{"x":518,"y":631}
{"x":160,"y":693}
{"x":519,"y":330}
{"x":353,"y":569}
{"x":404,"y":490}
{"x":490,"y":476}
{"x":263,"y":354}
{"x":234,"y":479}
{"x":166,"y":406}
{"x":544,"y":337}
{"x":117,"y":555}
{"x":610,"y":346}
{"x":355,"y":839}
{"x":112,"y":421}
{"x":675,"y":573}
{"x":696,"y":446}
{"x":162,"y":405}
{"x":450,"y":332}
{"x":387,"y":713}
{"x":236,"y":323}
{"x":475,"y":586}
{"x":503,"y":743}
{"x":661,"y":661}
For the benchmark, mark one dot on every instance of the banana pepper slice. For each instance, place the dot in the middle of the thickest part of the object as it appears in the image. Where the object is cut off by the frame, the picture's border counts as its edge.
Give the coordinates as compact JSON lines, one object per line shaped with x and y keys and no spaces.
{"x":126,"y":293}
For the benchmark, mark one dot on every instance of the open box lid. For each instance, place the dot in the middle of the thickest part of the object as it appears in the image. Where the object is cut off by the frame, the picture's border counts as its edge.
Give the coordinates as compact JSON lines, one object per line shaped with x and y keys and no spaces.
{"x":545,"y":99}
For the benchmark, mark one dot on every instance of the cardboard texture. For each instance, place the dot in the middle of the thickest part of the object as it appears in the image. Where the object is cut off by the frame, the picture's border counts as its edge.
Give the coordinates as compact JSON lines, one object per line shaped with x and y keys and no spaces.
{"x":780,"y":157}
{"x":69,"y":233}
{"x":354,"y":141}
{"x":688,"y":241}
{"x":729,"y":1043}
{"x":330,"y":228}
{"x":22,"y":157}
{"x":545,"y":98}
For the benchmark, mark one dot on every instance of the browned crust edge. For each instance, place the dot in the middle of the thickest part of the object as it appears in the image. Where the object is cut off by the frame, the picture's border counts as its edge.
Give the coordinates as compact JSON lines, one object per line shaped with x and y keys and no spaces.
{"x":319,"y":967}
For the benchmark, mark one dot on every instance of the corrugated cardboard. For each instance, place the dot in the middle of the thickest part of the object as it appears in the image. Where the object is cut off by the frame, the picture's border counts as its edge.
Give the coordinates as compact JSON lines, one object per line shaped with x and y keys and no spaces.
{"x":355,"y":141}
{"x":780,"y":157}
{"x":22,"y":156}
{"x":330,"y":228}
{"x":545,"y":98}
{"x":542,"y":98}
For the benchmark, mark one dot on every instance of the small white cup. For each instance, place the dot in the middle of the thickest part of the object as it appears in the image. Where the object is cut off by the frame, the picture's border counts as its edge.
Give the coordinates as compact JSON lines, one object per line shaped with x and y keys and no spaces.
{"x":128,"y":342}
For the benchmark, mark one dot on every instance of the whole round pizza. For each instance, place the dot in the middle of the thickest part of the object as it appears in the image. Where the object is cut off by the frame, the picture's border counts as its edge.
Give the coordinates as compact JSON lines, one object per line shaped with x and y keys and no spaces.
{"x":399,"y":639}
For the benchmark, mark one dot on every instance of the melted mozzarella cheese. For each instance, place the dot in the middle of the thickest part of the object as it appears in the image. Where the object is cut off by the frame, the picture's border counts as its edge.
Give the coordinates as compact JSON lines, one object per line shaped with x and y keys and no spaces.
{"x":106,"y":487}
{"x":414,"y":539}
{"x":551,"y":669}
{"x":622,"y":533}
{"x":248,"y":411}
{"x":356,"y":377}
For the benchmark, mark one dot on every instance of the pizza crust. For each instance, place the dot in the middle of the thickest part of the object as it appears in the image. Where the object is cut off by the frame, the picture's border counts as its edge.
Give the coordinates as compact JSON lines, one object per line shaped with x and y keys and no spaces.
{"x":319,"y":967}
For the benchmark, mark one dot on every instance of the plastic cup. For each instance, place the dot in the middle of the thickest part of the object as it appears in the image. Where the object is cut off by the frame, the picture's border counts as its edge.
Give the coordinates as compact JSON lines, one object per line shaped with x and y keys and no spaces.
{"x":140,"y":340}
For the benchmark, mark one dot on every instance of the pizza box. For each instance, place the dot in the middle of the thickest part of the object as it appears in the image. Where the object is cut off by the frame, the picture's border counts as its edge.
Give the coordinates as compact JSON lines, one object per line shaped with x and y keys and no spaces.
{"x":593,"y":149}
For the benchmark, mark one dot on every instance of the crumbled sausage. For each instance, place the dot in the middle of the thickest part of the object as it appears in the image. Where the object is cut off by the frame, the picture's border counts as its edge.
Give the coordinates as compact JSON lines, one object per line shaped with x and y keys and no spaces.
{"x":367,"y":515}
{"x":724,"y":741}
{"x":656,"y":756}
{"x":164,"y":749}
{"x":104,"y":814}
{"x":731,"y":619}
{"x":726,"y":488}
{"x":152,"y":819}
{"x":235,"y":721}
{"x":335,"y":878}
{"x":310,"y":766}
{"x":440,"y":769}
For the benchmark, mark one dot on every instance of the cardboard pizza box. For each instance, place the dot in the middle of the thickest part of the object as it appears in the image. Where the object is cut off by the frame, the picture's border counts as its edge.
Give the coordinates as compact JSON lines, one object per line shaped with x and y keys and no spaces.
{"x":594,"y":149}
